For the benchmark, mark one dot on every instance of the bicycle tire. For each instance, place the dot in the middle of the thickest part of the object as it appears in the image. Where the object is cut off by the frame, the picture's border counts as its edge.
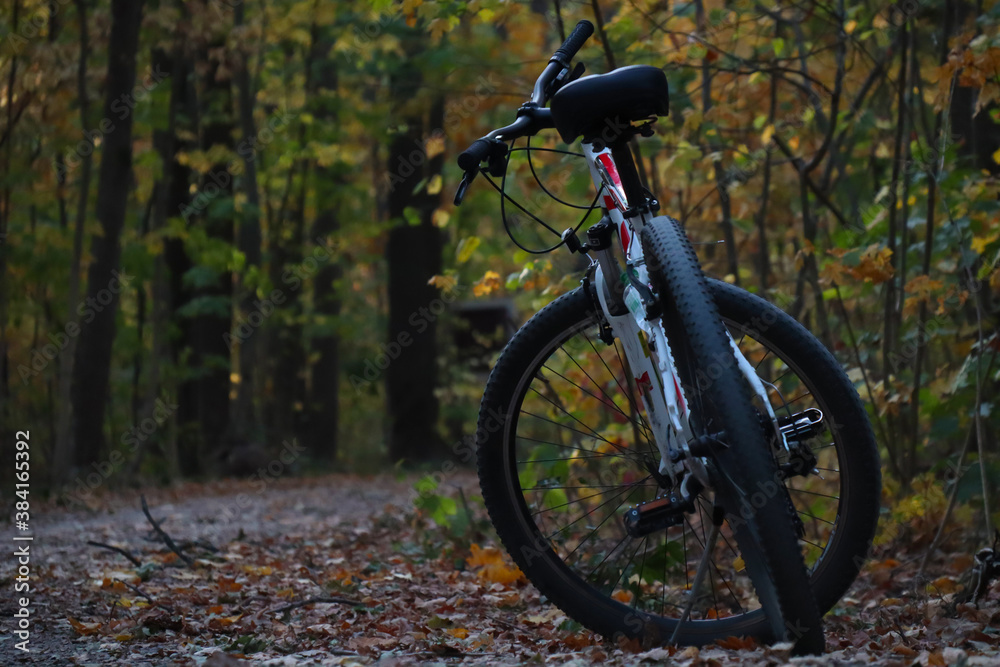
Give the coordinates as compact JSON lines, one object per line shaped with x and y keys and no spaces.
{"x":855,"y":512}
{"x":766,"y":536}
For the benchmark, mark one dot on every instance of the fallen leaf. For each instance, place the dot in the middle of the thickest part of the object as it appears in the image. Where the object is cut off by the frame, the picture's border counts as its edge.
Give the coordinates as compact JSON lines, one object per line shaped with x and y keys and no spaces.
{"x":84,"y":629}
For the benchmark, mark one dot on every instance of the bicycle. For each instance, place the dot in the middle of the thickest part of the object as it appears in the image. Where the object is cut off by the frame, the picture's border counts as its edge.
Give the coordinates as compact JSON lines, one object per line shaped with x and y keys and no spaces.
{"x":650,"y":477}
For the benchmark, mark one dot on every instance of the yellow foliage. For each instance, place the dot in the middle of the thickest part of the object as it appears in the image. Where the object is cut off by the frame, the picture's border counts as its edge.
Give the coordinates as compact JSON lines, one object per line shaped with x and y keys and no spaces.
{"x":444,"y":283}
{"x":440,"y":218}
{"x":434,"y":146}
{"x":765,"y":137}
{"x":979,"y":243}
{"x":489,"y":283}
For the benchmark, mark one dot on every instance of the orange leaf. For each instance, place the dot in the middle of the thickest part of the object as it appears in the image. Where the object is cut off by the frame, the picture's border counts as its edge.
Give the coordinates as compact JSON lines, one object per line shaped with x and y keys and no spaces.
{"x":489,"y":283}
{"x":458,"y":633}
{"x":944,"y":585}
{"x":578,"y":640}
{"x":737,"y":643}
{"x":501,"y":574}
{"x":84,"y":629}
{"x":623,"y":596}
{"x":227,"y":585}
{"x":481,"y":557}
{"x":875,"y":265}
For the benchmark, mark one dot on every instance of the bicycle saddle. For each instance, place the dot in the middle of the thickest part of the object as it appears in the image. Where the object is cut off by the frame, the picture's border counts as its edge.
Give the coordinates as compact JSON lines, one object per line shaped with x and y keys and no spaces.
{"x":598,"y":104}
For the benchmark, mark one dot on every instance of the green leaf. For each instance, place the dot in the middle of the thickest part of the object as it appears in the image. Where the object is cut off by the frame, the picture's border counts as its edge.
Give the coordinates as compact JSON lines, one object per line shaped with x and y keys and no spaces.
{"x":201,"y":276}
{"x":555,"y":498}
{"x":412,"y":216}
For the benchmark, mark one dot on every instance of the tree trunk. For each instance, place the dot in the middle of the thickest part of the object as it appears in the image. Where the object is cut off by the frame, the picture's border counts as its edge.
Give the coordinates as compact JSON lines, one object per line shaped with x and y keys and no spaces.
{"x":414,"y":256}
{"x":92,"y":365}
{"x":249,"y":242}
{"x":165,"y":144}
{"x":177,"y":200}
{"x":207,"y":422}
{"x":324,"y":390}
{"x":4,"y":219}
{"x":285,"y":342}
{"x":63,"y":453}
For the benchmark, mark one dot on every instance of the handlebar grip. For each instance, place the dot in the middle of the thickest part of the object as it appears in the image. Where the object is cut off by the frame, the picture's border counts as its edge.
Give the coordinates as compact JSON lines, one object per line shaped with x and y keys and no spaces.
{"x":581,"y":33}
{"x":479,"y":151}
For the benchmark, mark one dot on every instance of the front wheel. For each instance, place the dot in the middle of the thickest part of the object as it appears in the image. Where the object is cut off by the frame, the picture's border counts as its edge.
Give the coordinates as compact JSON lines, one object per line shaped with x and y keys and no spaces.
{"x":572,"y":454}
{"x":748,"y":489}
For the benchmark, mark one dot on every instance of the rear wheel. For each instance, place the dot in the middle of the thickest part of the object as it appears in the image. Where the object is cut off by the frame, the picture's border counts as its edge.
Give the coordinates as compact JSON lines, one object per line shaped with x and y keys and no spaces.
{"x":572,"y":453}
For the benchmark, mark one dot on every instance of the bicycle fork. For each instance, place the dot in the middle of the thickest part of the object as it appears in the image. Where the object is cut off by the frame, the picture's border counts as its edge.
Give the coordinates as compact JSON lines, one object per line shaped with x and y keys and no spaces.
{"x":650,"y":360}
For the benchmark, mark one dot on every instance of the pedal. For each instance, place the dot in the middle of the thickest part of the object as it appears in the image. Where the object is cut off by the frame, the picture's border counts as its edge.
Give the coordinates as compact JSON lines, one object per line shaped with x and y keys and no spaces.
{"x":658,"y":514}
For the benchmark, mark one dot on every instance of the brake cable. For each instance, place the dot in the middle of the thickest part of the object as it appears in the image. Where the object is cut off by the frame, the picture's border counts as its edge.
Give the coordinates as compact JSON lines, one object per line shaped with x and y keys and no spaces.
{"x":502,"y":189}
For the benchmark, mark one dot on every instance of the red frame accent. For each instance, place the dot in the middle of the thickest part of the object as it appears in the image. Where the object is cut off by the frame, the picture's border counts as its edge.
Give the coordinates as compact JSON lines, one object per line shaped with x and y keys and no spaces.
{"x":609,"y":202}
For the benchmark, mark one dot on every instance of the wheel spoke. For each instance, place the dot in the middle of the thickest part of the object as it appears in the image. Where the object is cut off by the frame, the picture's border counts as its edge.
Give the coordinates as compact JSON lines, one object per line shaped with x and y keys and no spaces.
{"x":574,"y":452}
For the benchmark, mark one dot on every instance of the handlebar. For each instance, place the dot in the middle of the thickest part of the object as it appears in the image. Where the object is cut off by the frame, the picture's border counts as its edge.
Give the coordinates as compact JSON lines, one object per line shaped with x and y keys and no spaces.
{"x":479,"y":151}
{"x":531,"y":117}
{"x":581,"y":33}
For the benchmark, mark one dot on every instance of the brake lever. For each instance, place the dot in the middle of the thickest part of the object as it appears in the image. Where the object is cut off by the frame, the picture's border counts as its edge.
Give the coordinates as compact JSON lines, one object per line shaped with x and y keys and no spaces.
{"x":463,"y":187}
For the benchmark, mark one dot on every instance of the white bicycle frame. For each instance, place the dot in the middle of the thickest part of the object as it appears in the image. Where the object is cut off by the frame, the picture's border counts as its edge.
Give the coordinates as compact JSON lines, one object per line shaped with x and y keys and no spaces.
{"x":653,"y":371}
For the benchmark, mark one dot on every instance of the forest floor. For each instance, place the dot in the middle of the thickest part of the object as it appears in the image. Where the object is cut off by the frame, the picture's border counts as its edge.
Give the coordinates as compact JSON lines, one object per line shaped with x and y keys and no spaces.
{"x":397,"y":590}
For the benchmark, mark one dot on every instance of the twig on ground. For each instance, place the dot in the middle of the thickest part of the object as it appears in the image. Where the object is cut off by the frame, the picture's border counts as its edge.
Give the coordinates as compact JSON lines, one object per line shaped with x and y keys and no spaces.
{"x":201,"y":544}
{"x":317,"y":600}
{"x":111,"y":612}
{"x":132,"y":559}
{"x":138,"y":591}
{"x":163,"y":535}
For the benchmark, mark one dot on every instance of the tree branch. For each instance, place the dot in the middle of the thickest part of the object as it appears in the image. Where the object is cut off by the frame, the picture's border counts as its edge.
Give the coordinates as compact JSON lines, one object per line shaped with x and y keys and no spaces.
{"x":163,"y":535}
{"x":316,"y":600}
{"x":101,"y":545}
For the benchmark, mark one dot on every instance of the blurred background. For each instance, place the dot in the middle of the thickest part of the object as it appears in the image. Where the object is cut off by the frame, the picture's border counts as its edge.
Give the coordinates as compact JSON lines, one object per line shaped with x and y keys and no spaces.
{"x":227,"y":229}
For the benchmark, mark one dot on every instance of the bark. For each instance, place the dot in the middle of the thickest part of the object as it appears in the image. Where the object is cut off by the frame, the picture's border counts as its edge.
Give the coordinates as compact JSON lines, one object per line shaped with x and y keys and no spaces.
{"x":176,"y":263}
{"x":4,"y":219}
{"x":92,"y":364}
{"x":324,"y":391}
{"x":891,"y":294}
{"x":285,"y":343}
{"x":249,"y":241}
{"x":763,"y":256}
{"x":732,"y":265}
{"x":64,"y":433}
{"x":165,"y":143}
{"x":413,"y":254}
{"x":206,"y":420}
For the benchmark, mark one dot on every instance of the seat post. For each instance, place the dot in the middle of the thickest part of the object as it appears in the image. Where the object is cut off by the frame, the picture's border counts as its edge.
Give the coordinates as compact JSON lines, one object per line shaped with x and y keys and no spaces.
{"x":625,"y":163}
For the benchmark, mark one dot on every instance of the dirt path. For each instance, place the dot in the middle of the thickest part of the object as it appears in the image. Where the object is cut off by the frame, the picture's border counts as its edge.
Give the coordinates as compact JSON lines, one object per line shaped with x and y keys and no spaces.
{"x":218,"y":514}
{"x":395,"y":589}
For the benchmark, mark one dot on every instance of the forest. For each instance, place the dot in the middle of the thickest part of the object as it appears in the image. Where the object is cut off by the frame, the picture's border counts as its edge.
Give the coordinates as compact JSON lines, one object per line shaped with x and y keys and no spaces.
{"x":227,"y":234}
{"x":228,"y":225}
